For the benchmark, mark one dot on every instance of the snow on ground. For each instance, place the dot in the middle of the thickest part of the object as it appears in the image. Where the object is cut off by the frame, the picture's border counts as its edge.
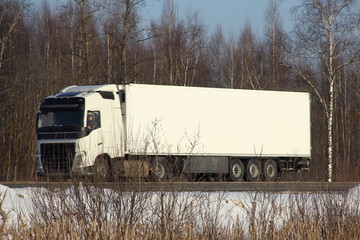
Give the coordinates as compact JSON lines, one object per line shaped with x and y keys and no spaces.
{"x":15,"y":201}
{"x":233,"y":205}
{"x":354,"y":194}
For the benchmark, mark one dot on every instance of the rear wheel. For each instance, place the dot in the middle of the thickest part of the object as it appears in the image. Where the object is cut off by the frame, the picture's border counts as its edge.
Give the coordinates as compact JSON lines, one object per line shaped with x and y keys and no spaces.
{"x":236,"y":170}
{"x":270,"y":170}
{"x":253,"y":170}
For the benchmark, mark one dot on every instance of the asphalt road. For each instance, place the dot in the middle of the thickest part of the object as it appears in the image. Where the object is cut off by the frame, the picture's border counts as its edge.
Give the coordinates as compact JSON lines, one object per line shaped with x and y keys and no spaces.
{"x":201,"y":186}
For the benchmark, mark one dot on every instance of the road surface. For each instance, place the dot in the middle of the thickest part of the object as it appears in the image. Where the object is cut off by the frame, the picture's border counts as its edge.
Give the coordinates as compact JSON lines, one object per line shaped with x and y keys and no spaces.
{"x":201,"y":186}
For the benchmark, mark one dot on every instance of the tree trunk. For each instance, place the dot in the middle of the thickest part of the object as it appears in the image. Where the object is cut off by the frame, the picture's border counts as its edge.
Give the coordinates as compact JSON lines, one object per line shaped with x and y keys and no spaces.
{"x":330,"y":133}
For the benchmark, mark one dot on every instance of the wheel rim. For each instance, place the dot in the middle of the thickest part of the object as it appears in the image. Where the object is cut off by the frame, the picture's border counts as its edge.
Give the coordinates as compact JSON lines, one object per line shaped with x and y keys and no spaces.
{"x":160,"y":170}
{"x":236,"y":170}
{"x":270,"y":171}
{"x":254,"y":170}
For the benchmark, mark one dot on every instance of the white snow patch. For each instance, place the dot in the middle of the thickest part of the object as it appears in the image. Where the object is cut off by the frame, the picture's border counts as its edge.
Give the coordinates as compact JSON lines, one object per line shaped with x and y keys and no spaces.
{"x":232,"y":206}
{"x":15,"y":202}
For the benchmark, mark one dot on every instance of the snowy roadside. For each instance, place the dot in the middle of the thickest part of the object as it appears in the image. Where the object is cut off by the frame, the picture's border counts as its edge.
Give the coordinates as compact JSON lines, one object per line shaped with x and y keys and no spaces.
{"x":18,"y":201}
{"x":251,"y":213}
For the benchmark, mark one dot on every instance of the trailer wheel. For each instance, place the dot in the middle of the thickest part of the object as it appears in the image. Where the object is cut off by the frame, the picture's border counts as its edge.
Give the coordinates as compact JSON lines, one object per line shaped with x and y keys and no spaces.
{"x":102,"y":169}
{"x":253,"y":170}
{"x":236,"y":170}
{"x":270,"y":170}
{"x":159,"y":169}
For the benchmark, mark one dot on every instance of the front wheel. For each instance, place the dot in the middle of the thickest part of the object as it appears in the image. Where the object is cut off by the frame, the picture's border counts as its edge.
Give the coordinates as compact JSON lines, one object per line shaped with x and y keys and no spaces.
{"x":102,"y":169}
{"x":236,"y":170}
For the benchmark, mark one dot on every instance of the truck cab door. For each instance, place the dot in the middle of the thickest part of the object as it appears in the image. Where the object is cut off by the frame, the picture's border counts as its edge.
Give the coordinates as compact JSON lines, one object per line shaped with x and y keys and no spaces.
{"x":94,"y":130}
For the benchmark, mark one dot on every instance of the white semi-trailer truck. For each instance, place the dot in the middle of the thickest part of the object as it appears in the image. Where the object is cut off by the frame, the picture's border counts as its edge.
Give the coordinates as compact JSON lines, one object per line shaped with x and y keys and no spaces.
{"x":138,"y":130}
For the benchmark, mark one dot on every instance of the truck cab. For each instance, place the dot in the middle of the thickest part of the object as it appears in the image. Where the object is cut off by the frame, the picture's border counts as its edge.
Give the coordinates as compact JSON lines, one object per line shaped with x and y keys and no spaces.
{"x":78,"y":128}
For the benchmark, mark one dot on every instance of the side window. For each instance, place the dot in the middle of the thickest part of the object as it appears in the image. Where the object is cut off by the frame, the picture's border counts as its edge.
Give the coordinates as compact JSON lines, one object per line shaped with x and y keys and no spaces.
{"x":93,"y":120}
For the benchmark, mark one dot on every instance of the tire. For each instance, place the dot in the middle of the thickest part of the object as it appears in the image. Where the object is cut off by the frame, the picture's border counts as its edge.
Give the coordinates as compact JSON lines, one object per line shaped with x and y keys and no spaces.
{"x":159,"y":170}
{"x":102,"y":169}
{"x":236,"y":170}
{"x":253,"y":170}
{"x":270,"y":170}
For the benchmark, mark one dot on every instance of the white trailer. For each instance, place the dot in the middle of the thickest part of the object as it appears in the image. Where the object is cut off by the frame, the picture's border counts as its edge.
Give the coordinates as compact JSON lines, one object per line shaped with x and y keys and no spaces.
{"x":142,"y":130}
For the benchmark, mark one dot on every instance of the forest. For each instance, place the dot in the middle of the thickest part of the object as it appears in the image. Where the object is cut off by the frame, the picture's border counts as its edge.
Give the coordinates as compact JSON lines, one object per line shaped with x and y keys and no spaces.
{"x":81,"y":42}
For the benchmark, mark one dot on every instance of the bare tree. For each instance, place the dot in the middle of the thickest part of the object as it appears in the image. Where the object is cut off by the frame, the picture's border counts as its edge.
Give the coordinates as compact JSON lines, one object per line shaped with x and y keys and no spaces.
{"x":231,"y":65}
{"x":13,"y":66}
{"x":251,"y":59}
{"x":78,"y":23}
{"x":155,"y":50}
{"x":177,"y":47}
{"x":123,"y":31}
{"x":10,"y":14}
{"x":192,"y":41}
{"x":170,"y":39}
{"x":216,"y":58}
{"x":275,"y":45}
{"x":326,"y":36}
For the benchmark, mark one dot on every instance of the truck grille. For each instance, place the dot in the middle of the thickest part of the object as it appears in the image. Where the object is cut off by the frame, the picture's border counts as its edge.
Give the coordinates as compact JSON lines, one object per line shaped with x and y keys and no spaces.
{"x":57,"y":157}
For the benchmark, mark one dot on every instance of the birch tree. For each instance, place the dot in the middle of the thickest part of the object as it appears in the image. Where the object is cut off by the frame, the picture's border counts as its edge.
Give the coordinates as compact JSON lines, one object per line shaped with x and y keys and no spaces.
{"x":216,"y":58}
{"x":326,"y":35}
{"x":275,"y":46}
{"x":10,"y":15}
{"x":13,"y":54}
{"x":78,"y":23}
{"x":192,"y":42}
{"x":251,"y":62}
{"x":231,"y":64}
{"x":171,"y":29}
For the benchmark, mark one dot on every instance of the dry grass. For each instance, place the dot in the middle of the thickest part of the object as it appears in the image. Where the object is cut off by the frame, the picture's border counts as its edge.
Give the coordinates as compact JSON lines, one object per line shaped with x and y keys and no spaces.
{"x":97,"y":213}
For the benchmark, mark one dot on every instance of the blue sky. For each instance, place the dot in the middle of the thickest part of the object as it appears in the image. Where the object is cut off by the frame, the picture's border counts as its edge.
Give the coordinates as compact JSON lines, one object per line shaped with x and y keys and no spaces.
{"x":230,"y":14}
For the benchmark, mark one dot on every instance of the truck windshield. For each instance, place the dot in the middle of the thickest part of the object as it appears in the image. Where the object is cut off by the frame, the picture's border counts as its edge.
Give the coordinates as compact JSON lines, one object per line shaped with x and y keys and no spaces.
{"x":60,"y":118}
